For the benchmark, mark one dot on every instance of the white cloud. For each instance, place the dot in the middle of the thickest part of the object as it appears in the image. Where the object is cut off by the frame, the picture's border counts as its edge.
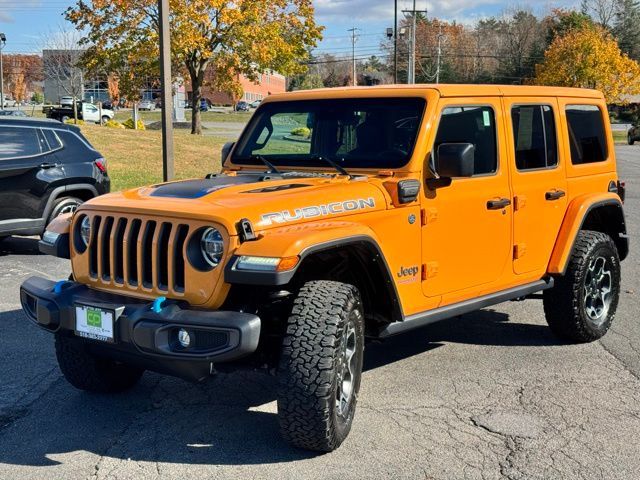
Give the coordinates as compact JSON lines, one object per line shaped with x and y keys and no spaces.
{"x":350,"y":11}
{"x":7,"y":6}
{"x":344,"y":11}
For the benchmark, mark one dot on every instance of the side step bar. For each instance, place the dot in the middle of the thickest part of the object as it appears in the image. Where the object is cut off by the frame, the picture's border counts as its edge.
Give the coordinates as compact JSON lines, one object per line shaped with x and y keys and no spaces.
{"x":427,"y":318}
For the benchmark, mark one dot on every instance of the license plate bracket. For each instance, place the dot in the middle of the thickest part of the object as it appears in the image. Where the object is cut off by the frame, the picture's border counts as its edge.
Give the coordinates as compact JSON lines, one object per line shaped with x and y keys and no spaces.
{"x":95,"y":323}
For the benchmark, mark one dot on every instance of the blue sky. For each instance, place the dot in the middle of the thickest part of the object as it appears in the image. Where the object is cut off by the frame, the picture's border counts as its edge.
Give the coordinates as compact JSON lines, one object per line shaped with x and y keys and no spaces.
{"x":25,"y":22}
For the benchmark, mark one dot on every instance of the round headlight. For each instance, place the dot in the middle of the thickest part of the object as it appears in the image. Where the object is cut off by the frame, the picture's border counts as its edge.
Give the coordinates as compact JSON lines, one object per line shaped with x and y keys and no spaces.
{"x":212,"y":246}
{"x":85,"y":231}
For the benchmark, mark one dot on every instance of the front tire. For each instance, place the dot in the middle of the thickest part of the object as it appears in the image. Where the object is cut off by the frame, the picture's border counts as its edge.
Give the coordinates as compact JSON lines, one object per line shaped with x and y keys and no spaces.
{"x":582,"y":305}
{"x":630,"y":139}
{"x":88,"y":372}
{"x":321,"y":366}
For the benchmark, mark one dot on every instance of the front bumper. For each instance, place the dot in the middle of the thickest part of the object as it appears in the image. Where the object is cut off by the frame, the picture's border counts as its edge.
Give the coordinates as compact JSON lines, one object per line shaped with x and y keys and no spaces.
{"x":142,"y":336}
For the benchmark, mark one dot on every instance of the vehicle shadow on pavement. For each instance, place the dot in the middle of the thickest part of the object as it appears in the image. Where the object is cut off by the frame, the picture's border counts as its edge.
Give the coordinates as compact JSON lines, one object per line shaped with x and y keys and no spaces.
{"x":228,"y":420}
{"x":19,"y":246}
{"x":484,"y":327}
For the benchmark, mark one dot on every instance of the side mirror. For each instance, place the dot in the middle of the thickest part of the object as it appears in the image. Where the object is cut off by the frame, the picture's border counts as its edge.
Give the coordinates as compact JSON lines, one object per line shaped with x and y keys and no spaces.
{"x":455,"y":160}
{"x":226,"y":150}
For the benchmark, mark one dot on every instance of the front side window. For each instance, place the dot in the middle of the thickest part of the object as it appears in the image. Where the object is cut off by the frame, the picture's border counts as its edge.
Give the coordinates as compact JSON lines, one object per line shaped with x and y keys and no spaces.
{"x":586,"y":134}
{"x":356,"y":133}
{"x":534,"y":132}
{"x":18,"y":142}
{"x":475,"y":125}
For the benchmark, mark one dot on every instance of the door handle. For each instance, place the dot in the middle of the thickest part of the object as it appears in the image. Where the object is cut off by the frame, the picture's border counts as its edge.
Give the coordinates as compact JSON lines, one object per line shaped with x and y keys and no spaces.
{"x":47,"y":165}
{"x":498,"y":204}
{"x":554,"y":195}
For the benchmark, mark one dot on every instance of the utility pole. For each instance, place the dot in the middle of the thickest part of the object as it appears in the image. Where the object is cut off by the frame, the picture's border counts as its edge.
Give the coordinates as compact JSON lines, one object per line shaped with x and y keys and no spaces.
{"x":395,"y":41}
{"x":3,"y":42}
{"x":354,"y":39}
{"x":440,"y":37}
{"x":411,"y":74}
{"x":166,"y":85}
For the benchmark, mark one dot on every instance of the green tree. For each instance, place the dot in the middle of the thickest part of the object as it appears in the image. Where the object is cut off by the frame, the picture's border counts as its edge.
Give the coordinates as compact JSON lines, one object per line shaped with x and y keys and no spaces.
{"x":590,"y":58}
{"x":231,"y":37}
{"x":626,"y":27}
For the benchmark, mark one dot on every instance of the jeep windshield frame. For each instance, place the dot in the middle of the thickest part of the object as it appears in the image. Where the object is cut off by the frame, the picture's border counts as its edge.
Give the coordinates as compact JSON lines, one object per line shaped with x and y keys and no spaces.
{"x":376,"y":133}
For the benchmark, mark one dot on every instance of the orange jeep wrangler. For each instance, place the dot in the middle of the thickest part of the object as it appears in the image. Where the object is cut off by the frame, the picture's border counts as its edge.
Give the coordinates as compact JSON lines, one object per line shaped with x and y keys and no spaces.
{"x":339,"y":215}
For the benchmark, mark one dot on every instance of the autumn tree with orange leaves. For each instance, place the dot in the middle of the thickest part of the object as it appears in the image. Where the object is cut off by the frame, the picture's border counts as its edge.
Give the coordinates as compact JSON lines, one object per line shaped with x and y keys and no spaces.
{"x":589,"y":57}
{"x":230,"y":37}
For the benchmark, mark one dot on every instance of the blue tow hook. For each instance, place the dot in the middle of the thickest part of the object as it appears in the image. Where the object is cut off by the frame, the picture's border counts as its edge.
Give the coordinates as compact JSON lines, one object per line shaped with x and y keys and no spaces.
{"x":57,"y":288}
{"x":157,"y":304}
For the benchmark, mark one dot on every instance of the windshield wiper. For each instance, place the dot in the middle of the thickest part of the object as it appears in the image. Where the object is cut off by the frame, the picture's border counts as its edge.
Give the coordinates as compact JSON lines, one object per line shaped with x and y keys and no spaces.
{"x":339,"y":168}
{"x":272,"y":168}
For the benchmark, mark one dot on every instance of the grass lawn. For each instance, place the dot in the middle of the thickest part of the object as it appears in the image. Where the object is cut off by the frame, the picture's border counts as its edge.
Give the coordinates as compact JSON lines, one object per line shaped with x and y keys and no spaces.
{"x":134,"y":158}
{"x":235,"y":117}
{"x":620,"y":137}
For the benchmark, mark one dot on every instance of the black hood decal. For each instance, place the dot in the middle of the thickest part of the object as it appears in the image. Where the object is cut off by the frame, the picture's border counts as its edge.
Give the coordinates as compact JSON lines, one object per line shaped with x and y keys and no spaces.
{"x":191,"y":189}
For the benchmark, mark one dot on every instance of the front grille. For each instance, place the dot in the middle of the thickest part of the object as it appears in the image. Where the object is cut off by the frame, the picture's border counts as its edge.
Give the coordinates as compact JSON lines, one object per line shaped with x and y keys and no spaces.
{"x":138,"y":253}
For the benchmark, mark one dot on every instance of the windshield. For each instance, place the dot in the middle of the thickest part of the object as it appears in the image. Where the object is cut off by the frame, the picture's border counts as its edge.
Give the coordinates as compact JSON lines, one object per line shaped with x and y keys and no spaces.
{"x":356,"y":133}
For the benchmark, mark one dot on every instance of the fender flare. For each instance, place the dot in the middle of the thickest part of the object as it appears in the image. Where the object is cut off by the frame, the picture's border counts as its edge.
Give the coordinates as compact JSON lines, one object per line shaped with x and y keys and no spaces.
{"x":577,"y":213}
{"x":56,"y":193}
{"x":257,"y":278}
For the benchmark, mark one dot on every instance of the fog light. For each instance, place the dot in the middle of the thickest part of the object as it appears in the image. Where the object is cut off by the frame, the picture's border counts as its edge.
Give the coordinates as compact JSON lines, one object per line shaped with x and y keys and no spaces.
{"x":184,"y":338}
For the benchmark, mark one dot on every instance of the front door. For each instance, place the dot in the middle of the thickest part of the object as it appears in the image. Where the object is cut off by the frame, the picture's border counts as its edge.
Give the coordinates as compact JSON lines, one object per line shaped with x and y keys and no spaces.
{"x":467,"y":232}
{"x":538,"y":182}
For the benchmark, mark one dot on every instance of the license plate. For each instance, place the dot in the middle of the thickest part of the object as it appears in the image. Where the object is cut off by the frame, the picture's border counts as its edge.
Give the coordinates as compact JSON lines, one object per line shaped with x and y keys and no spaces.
{"x":95,"y":323}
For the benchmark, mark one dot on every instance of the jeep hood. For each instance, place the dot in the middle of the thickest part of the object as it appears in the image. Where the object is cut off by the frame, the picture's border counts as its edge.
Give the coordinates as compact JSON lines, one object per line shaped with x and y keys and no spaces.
{"x":267,"y":201}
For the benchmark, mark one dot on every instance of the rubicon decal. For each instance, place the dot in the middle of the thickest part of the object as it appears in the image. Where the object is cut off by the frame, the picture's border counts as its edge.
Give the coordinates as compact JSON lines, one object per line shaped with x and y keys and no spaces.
{"x":316,"y":211}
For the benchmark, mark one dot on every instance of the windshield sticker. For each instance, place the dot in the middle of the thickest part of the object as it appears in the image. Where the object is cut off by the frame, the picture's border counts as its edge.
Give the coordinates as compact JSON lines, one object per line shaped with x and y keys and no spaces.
{"x":317,"y":211}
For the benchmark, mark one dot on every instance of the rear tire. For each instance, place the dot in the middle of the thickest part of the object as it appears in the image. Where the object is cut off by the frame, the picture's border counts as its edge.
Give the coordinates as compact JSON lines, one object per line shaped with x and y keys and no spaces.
{"x":105,"y":119}
{"x":87,"y":372}
{"x":64,"y":205}
{"x":582,"y":305}
{"x":321,"y":366}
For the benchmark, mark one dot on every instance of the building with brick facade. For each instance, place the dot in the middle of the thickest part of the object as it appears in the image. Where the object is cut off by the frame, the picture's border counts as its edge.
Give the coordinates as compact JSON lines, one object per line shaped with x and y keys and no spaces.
{"x":267,"y":84}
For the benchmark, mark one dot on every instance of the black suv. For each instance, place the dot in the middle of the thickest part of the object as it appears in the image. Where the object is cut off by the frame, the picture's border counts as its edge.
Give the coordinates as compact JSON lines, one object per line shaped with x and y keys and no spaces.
{"x":46,"y":169}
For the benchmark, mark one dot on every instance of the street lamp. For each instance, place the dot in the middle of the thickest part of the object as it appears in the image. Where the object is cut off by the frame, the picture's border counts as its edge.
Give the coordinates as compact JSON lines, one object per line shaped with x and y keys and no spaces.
{"x":3,"y":42}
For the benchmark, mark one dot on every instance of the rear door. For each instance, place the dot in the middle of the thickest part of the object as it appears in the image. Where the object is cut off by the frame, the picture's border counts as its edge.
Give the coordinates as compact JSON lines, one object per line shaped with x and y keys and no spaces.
{"x":27,"y":171}
{"x":467,"y":231}
{"x":538,"y":181}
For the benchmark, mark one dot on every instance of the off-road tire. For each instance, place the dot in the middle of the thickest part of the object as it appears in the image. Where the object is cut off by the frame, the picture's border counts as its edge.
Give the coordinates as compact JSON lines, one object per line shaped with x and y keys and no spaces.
{"x":311,"y":365}
{"x":88,"y":372}
{"x":64,"y":205}
{"x":565,"y":304}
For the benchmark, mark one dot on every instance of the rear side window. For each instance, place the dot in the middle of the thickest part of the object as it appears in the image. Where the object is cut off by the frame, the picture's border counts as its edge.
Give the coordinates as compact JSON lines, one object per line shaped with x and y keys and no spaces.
{"x":16,"y":142}
{"x":475,"y":125}
{"x":52,"y":139}
{"x":586,"y":134}
{"x":534,"y":132}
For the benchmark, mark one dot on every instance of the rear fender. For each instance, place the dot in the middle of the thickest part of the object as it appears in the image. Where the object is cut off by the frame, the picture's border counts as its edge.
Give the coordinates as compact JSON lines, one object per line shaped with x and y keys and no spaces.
{"x":602,"y":212}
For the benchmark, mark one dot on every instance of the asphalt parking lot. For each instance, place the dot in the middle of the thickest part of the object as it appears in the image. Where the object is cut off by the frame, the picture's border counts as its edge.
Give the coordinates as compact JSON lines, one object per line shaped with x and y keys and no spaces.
{"x":488,"y":395}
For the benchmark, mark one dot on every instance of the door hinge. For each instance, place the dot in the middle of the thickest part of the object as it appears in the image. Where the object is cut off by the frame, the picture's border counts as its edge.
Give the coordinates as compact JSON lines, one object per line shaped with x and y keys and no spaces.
{"x":428,"y":215}
{"x":429,"y":270}
{"x":519,"y":202}
{"x":519,"y":250}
